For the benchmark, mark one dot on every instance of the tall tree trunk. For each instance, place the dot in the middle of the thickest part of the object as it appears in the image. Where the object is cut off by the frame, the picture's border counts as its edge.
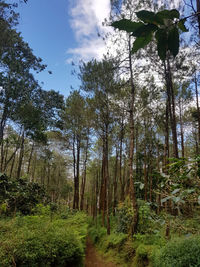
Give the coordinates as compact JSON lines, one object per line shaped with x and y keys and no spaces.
{"x":6,"y":155}
{"x":21,"y":155}
{"x":171,"y":102}
{"x":198,"y":109}
{"x":12,"y":166}
{"x":30,"y":158}
{"x":115,"y":182}
{"x":84,"y":174}
{"x":131,"y":149}
{"x":104,"y":183}
{"x":76,"y":184}
{"x":121,"y":178}
{"x":181,"y":129}
{"x":145,"y":164}
{"x":74,"y":170}
{"x":107,"y":180}
{"x":198,"y":11}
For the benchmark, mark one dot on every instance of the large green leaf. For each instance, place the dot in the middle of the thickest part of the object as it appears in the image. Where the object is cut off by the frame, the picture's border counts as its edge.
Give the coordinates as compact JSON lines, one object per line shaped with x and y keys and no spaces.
{"x":168,"y":14}
{"x":146,"y":16}
{"x":161,"y":37}
{"x":141,"y":42}
{"x":181,"y":25}
{"x":127,"y":25}
{"x":173,"y":41}
{"x":144,"y":30}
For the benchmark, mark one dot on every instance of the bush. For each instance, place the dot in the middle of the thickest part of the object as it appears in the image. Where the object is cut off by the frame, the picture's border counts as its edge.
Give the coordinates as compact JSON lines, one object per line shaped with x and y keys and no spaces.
{"x":115,"y":241}
{"x":143,"y":255}
{"x":96,"y":233}
{"x":124,"y":216}
{"x":36,"y":241}
{"x":19,"y":195}
{"x":179,"y":253}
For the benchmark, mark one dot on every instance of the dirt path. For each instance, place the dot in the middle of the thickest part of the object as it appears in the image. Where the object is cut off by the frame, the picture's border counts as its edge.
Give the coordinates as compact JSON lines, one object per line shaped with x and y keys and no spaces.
{"x":93,"y":259}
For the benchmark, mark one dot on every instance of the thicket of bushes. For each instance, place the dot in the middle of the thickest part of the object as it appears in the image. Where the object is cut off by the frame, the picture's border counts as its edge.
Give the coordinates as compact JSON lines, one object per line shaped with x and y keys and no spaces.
{"x":39,"y":240}
{"x":19,"y":195}
{"x":149,"y":247}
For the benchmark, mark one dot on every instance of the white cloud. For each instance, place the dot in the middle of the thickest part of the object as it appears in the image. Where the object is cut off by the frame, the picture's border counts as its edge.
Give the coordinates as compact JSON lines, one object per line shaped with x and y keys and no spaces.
{"x":86,"y":21}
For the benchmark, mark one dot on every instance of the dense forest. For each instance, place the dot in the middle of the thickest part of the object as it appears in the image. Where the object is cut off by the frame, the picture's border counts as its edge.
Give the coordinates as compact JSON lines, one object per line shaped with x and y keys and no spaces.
{"x":116,"y":164}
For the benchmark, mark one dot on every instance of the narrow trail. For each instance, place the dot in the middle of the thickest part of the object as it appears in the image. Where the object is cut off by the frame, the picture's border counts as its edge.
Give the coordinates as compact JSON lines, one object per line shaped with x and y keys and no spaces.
{"x":93,"y":259}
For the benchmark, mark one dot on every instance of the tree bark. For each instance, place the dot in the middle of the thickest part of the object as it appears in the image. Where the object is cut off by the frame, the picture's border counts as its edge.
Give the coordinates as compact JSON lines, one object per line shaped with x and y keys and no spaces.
{"x":30,"y":158}
{"x":171,"y":102}
{"x":21,"y":155}
{"x":198,"y":109}
{"x":84,"y":174}
{"x":181,"y":129}
{"x":131,"y":149}
{"x":115,"y":182}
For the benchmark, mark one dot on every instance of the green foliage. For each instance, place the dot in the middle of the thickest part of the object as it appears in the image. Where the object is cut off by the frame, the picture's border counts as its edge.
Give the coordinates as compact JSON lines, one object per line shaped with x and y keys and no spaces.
{"x":19,"y":195}
{"x":145,"y":219}
{"x":36,"y":241}
{"x":142,"y":255}
{"x":183,"y":187}
{"x":180,"y":253}
{"x":96,"y":233}
{"x":114,"y":241}
{"x":163,"y":24}
{"x":124,"y":216}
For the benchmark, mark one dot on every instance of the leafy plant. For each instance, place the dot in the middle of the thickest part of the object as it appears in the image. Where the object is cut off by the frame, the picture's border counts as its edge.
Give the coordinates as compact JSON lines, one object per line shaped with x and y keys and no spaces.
{"x":179,"y":253}
{"x":20,"y":195}
{"x":165,"y":26}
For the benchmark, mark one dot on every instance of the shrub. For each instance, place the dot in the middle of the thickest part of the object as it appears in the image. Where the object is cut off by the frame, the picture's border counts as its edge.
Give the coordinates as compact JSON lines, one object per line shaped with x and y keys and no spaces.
{"x":36,"y":241}
{"x":115,"y":241}
{"x":124,"y":216}
{"x":143,"y":255}
{"x":96,"y":233}
{"x":20,"y":195}
{"x":179,"y":253}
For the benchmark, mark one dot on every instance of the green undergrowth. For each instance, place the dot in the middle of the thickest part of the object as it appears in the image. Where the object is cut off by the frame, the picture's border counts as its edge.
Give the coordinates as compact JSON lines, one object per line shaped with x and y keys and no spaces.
{"x":43,"y":240}
{"x":149,"y":247}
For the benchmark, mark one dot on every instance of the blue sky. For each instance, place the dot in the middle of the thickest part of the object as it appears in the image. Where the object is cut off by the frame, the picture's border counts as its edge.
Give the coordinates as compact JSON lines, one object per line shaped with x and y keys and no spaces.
{"x":60,"y":31}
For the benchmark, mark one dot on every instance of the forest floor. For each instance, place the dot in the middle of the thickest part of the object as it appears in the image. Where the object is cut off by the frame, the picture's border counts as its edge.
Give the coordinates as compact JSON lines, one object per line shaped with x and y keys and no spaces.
{"x":94,"y":259}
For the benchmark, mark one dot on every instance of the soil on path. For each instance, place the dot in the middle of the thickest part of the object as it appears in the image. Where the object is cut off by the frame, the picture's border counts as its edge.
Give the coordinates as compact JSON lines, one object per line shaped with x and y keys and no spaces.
{"x":93,"y":259}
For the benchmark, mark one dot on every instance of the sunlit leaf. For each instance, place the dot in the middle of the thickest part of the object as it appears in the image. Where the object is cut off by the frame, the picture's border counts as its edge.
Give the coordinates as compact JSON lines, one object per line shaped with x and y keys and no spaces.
{"x":176,"y":191}
{"x":176,"y":199}
{"x":165,"y":199}
{"x":141,"y":186}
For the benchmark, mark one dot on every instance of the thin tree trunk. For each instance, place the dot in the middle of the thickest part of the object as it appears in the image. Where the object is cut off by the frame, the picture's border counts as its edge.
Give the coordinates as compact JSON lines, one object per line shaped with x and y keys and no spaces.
{"x":115,"y":182}
{"x":76,"y":182}
{"x":120,"y":160}
{"x":74,"y":170}
{"x":181,"y":129}
{"x":30,"y":158}
{"x":131,"y":150}
{"x":198,"y":10}
{"x":171,"y":102}
{"x":198,"y":109}
{"x":21,"y":155}
{"x":84,"y":174}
